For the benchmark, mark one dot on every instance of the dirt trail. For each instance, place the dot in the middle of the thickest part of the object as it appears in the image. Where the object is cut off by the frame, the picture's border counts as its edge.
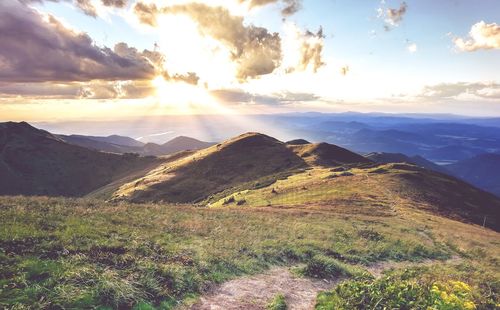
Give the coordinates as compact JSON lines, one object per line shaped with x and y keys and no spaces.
{"x":256,"y":292}
{"x":252,"y":293}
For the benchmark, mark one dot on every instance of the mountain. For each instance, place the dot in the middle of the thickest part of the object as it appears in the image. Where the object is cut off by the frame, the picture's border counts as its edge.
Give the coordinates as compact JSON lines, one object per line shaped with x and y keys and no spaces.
{"x":121,"y":144}
{"x":452,"y":153}
{"x":385,"y":158}
{"x":482,"y":170}
{"x":298,"y":142}
{"x":177,"y":144}
{"x":242,"y":159}
{"x":325,"y":154}
{"x":118,"y":140}
{"x":35,"y":162}
{"x":257,"y":170}
{"x":103,"y":144}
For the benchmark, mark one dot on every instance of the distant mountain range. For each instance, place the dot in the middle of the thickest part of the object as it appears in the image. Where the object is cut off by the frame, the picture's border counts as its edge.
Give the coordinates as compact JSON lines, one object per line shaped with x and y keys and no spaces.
{"x":121,"y":144}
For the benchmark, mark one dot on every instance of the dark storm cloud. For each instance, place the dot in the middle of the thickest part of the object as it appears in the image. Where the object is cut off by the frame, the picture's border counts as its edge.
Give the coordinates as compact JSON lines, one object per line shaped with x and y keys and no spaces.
{"x":39,"y":48}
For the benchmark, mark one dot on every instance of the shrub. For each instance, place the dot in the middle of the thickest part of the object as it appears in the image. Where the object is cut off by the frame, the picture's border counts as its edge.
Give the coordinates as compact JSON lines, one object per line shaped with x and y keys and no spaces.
{"x":321,"y":266}
{"x":398,"y":291}
{"x":278,"y":303}
{"x":229,"y":200}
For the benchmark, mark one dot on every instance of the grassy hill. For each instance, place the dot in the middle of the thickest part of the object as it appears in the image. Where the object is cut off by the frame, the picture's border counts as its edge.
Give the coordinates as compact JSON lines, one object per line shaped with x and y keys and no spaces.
{"x":75,"y":253}
{"x":324,"y":154}
{"x":35,"y":162}
{"x":254,"y":170}
{"x":245,"y":158}
{"x":386,"y":158}
{"x":388,"y":186}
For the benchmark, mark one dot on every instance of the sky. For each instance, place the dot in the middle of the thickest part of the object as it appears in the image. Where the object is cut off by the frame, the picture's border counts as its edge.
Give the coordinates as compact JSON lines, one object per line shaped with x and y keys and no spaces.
{"x":118,"y":59}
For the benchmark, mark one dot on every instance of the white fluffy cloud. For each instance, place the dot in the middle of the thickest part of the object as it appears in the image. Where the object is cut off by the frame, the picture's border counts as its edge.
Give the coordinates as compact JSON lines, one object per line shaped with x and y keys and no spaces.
{"x":481,"y":36}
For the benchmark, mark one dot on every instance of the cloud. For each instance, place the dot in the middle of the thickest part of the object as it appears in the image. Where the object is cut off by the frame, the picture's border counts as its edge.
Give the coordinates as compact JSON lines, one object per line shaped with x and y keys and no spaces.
{"x":481,"y":36}
{"x":254,"y":50}
{"x":146,"y":13}
{"x":237,"y":96}
{"x":115,"y":90}
{"x":344,"y":70}
{"x":114,"y":3}
{"x":480,"y":90}
{"x":86,"y":6}
{"x":38,"y":48}
{"x":290,"y":7}
{"x":412,"y":48}
{"x":189,"y":78}
{"x":392,"y":16}
{"x":96,"y":89}
{"x":310,"y":49}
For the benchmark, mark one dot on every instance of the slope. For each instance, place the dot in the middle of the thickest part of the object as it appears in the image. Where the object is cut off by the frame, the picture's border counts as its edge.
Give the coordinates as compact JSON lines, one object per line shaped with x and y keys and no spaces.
{"x":100,"y":144}
{"x":35,"y":162}
{"x":325,"y":154}
{"x":482,"y":170}
{"x":242,"y":159}
{"x":386,"y":158}
{"x":391,"y":188}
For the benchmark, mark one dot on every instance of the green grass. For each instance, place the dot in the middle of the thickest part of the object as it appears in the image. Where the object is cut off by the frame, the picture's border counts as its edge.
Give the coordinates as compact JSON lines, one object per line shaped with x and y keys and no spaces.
{"x":444,"y":287}
{"x":77,"y":253}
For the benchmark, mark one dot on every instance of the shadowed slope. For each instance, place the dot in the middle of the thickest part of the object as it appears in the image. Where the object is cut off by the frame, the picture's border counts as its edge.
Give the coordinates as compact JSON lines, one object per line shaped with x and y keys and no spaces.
{"x":35,"y":162}
{"x":325,"y":154}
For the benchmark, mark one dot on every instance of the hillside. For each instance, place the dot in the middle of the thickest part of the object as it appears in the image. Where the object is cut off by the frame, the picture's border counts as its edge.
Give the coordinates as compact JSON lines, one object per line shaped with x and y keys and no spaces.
{"x":117,"y":140}
{"x":242,"y":159}
{"x":257,"y":170}
{"x":35,"y":162}
{"x":89,"y":254}
{"x":386,"y":158}
{"x":482,"y":170}
{"x":325,"y":154}
{"x":94,"y":143}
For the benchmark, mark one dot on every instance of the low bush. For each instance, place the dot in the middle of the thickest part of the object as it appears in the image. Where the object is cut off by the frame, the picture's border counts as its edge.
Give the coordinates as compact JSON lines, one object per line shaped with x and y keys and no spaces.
{"x":417,"y":288}
{"x":278,"y":303}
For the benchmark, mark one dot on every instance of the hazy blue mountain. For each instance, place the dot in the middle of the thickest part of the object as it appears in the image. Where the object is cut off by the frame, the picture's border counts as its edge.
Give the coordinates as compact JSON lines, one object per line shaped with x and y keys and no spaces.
{"x":482,"y":171}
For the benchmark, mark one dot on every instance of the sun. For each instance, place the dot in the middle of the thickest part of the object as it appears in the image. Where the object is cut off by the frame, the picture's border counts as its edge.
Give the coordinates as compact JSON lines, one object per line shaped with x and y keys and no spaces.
{"x":182,"y":97}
